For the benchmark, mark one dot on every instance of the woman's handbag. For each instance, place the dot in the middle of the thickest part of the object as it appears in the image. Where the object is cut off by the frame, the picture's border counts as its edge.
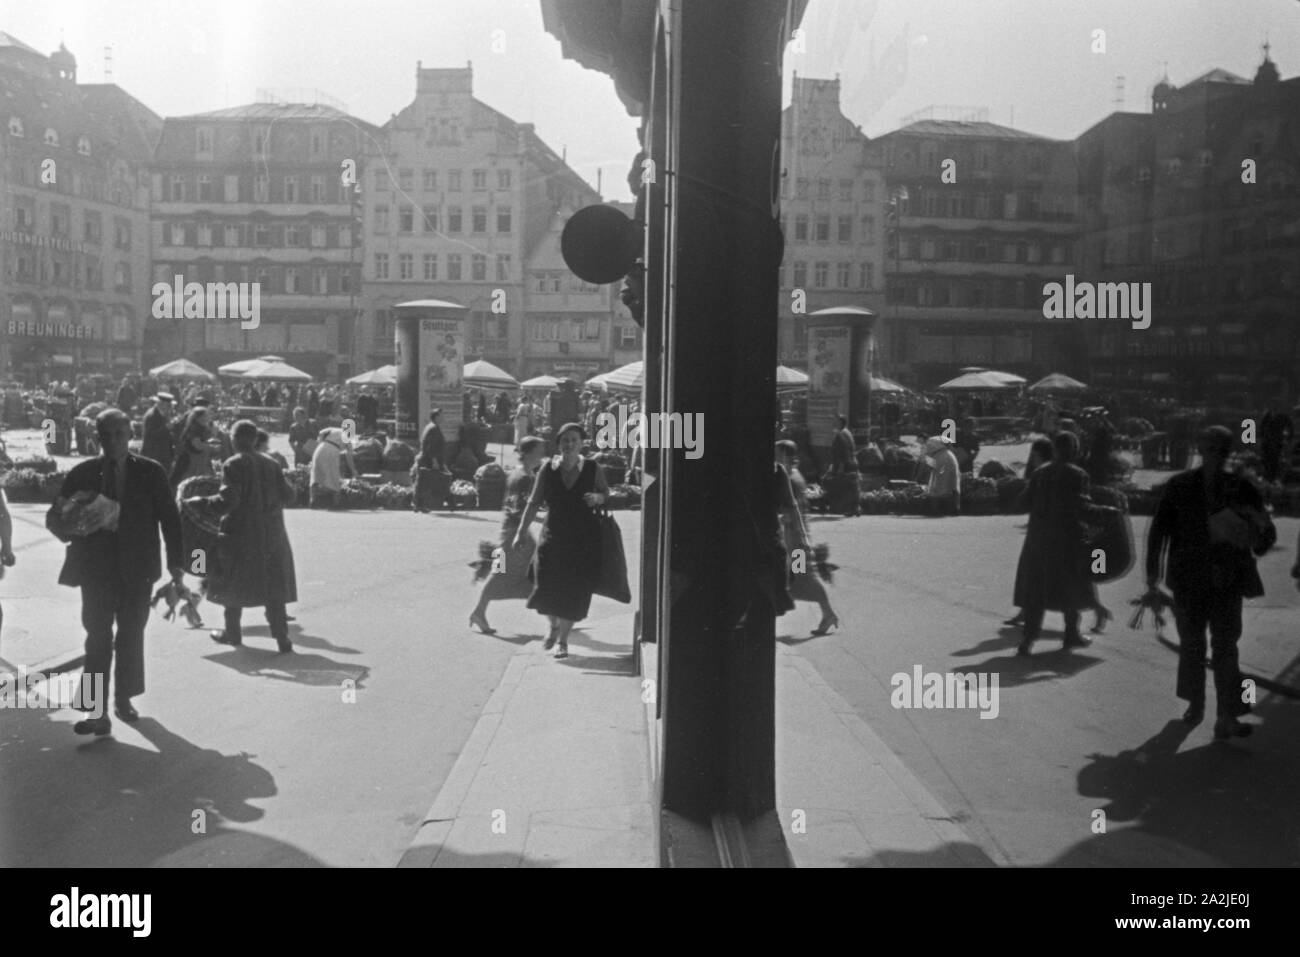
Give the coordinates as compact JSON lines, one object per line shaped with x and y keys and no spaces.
{"x":611,"y":577}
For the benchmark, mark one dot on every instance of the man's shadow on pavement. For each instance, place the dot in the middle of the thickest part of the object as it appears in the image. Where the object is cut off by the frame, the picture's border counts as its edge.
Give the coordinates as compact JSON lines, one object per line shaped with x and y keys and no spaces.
{"x":104,"y":802}
{"x":1216,"y":804}
{"x":1048,"y":661}
{"x":297,"y":636}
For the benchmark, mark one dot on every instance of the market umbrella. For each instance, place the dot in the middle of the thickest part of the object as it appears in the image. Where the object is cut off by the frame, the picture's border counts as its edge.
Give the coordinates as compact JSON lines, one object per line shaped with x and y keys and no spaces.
{"x":596,"y":382}
{"x":278,"y":372}
{"x":976,"y":382}
{"x":246,"y":365}
{"x":484,"y":375}
{"x":790,"y":380}
{"x":384,"y":375}
{"x":181,"y":369}
{"x":881,"y":384}
{"x":629,"y":378}
{"x":1057,"y":382}
{"x":540,"y":382}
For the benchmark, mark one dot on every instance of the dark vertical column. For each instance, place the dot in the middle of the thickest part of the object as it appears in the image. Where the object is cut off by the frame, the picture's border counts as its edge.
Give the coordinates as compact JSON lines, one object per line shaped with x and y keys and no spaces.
{"x":721,"y":336}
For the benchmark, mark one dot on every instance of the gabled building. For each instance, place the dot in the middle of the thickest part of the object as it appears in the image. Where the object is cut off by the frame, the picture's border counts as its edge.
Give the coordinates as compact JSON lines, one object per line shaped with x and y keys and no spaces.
{"x":458,"y":200}
{"x":265,"y":193}
{"x":74,"y":218}
{"x":832,"y":213}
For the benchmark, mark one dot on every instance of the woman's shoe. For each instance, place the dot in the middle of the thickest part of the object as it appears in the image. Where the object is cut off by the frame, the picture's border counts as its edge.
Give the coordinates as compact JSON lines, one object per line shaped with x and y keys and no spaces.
{"x":1103,"y":618}
{"x":1018,"y":620}
{"x":1025,"y":649}
{"x":828,"y":624}
{"x":551,"y":639}
{"x":96,"y":726}
{"x":563,"y":650}
{"x":481,"y":623}
{"x":221,"y":638}
{"x":285,"y":645}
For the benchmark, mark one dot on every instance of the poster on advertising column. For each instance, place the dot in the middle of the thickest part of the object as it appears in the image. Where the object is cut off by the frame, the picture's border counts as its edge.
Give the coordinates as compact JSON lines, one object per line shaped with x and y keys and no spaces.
{"x":829,"y":358}
{"x":430,"y":359}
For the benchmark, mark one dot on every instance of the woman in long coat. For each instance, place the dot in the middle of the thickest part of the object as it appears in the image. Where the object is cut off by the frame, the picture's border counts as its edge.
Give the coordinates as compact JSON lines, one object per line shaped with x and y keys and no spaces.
{"x":804,"y":584}
{"x":253,"y":567}
{"x":569,"y":552}
{"x":1059,"y":578}
{"x":512,"y":580}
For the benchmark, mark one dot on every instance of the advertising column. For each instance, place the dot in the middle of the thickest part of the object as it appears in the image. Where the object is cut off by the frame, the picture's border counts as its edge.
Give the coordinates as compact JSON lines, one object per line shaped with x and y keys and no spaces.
{"x":430,"y":347}
{"x":839,"y":373}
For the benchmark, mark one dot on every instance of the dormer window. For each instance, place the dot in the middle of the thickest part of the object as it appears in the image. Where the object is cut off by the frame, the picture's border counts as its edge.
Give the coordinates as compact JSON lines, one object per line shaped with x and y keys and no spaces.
{"x":15,"y":126}
{"x":83,"y":144}
{"x":51,"y":137}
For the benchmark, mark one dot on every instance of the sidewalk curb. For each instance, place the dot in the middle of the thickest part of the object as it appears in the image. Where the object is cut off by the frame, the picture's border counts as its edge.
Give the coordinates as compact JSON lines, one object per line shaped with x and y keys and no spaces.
{"x":438,"y":820}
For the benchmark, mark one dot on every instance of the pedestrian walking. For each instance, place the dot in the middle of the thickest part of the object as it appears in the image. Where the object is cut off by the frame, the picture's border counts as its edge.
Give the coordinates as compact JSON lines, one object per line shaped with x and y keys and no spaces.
{"x":513,"y":579}
{"x":843,"y":483}
{"x":432,"y":477}
{"x":193,"y":453}
{"x":569,"y":549}
{"x":253,"y":566}
{"x":1212,"y":524}
{"x":1059,"y":578}
{"x":109,"y":512}
{"x":158,"y":443}
{"x":792,"y":504}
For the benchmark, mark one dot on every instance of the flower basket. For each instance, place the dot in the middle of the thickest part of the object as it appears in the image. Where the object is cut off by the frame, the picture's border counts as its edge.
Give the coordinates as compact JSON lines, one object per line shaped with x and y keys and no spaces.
{"x":465,"y":494}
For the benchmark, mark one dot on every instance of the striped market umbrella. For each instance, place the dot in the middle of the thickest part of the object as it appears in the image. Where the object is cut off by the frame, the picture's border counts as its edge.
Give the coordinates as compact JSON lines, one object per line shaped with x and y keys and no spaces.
{"x":627,"y":379}
{"x":384,"y":375}
{"x":277,"y":372}
{"x":540,"y":382}
{"x":977,"y":382}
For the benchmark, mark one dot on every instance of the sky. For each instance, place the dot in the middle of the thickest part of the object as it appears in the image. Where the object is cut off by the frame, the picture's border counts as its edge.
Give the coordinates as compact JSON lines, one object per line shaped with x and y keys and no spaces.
{"x":1038,"y":65}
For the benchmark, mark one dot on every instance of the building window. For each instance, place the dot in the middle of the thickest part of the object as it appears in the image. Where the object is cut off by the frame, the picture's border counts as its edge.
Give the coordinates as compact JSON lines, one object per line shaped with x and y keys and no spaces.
{"x":232,"y":236}
{"x":405,"y":180}
{"x":381,"y":265}
{"x":478,"y":267}
{"x":801,"y":226}
{"x":842,"y":275}
{"x":291,"y":280}
{"x":430,"y":180}
{"x":122,"y":277}
{"x":318,"y":189}
{"x":83,"y":144}
{"x":503,"y":267}
{"x":291,"y":189}
{"x":406,"y":266}
{"x":430,"y":214}
{"x":321,"y":280}
{"x":405,"y":219}
{"x":345,"y":237}
{"x":381,"y":181}
{"x":800,"y":274}
{"x":820,"y":271}
{"x":868,"y":276}
{"x":823,"y":189}
{"x":345,"y":279}
{"x":627,"y":337}
{"x":261,"y":188}
{"x":453,"y":266}
{"x":176,"y":189}
{"x":430,"y":266}
{"x":15,"y":126}
{"x":205,"y":234}
{"x":381,"y":220}
{"x":479,"y":219}
{"x":480,"y":179}
{"x":503,"y":179}
{"x":453,"y":180}
{"x":261,"y":234}
{"x":93,"y":227}
{"x":823,"y":226}
{"x":122,"y":233}
{"x":504,"y":223}
{"x":51,"y":137}
{"x":869,"y":230}
{"x":318,"y":237}
{"x":453,"y":219}
{"x":203,"y":142}
{"x":845,"y":231}
{"x":232,"y":188}
{"x":846,"y":191}
{"x":292,"y":235}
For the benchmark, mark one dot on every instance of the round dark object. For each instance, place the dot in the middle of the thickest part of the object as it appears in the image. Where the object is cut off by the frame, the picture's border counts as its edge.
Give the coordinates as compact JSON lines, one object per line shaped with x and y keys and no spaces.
{"x":600,"y":244}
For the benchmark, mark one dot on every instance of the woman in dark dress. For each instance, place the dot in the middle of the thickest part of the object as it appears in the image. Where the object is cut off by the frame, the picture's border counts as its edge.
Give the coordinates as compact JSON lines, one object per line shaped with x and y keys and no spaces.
{"x":512,"y":579}
{"x":804,"y":584}
{"x":568,"y":554}
{"x":193,"y":453}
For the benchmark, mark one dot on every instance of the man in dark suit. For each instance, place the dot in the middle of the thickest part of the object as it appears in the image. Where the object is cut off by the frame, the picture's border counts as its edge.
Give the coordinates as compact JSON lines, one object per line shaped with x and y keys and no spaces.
{"x":116,"y":566}
{"x":1213,"y":524}
{"x":158,"y":443}
{"x":843,"y":483}
{"x":432,"y":478}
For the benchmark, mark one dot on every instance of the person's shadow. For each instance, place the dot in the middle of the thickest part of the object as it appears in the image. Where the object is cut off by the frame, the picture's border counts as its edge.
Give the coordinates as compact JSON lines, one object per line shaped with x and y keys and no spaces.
{"x":265,"y":661}
{"x":103,"y":802}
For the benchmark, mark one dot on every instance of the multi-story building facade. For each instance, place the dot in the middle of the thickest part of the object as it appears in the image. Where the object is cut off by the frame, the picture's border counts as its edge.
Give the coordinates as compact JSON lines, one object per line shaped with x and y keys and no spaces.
{"x":267,"y":194}
{"x":74,"y":224}
{"x":832,"y":212}
{"x":1201,"y":198}
{"x":458,"y":201}
{"x":982,"y":217}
